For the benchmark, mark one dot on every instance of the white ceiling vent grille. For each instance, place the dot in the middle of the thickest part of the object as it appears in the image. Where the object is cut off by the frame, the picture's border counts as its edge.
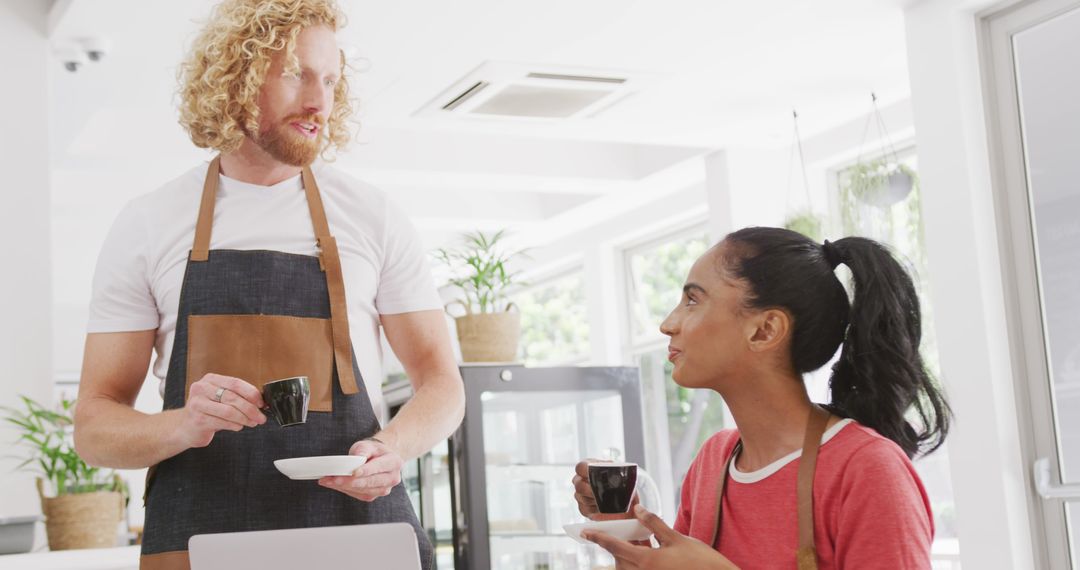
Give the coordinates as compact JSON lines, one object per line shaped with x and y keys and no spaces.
{"x":531,"y":92}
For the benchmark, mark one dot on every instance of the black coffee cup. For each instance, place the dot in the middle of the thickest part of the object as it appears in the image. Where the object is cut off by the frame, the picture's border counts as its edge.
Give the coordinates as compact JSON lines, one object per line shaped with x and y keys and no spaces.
{"x":287,"y":400}
{"x":613,"y":486}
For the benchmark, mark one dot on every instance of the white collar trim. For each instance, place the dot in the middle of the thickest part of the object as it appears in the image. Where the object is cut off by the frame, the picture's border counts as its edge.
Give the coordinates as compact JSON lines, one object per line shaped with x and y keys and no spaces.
{"x":760,"y":474}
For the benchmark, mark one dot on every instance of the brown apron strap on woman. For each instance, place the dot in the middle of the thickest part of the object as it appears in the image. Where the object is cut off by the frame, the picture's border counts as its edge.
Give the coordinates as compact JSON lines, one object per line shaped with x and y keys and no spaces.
{"x":806,"y":556}
{"x":330,"y":262}
{"x":720,"y":487}
{"x":201,"y":250}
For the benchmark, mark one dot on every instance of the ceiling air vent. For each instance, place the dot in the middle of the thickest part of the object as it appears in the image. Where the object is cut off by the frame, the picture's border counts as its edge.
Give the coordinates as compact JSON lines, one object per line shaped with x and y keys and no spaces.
{"x":531,"y":92}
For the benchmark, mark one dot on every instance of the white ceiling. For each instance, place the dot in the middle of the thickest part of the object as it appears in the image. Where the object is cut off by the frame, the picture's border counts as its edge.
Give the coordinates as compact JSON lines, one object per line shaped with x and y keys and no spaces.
{"x":728,"y":74}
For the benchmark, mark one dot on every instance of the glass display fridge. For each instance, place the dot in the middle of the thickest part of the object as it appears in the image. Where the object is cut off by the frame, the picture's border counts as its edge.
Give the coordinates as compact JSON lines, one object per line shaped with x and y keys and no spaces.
{"x":496,"y":494}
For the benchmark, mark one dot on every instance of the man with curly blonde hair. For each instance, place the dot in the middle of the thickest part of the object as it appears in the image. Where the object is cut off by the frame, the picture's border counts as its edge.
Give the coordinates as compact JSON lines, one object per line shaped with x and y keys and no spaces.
{"x":263,"y":264}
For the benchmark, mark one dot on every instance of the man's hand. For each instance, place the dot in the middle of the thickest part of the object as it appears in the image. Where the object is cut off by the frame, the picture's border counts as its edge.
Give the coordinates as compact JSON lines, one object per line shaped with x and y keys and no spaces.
{"x":676,"y":550}
{"x":376,"y":478}
{"x":217,"y":403}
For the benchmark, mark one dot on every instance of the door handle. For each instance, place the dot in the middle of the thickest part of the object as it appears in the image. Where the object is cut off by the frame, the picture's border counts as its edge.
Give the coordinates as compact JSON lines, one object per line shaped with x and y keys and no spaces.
{"x":1047,"y":489}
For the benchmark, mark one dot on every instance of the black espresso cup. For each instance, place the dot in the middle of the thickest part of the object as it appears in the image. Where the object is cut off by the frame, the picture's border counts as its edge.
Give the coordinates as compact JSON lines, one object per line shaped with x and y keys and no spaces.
{"x":613,"y":486}
{"x":287,"y":400}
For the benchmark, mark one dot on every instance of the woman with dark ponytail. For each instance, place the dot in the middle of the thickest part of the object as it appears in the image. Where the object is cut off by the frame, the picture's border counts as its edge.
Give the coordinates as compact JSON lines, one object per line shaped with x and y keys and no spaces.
{"x":798,"y":484}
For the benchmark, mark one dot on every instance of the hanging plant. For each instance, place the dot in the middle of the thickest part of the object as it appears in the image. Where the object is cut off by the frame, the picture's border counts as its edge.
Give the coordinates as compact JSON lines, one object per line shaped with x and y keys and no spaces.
{"x":806,"y":223}
{"x":884,"y":181}
{"x":802,"y":220}
{"x":880,"y":183}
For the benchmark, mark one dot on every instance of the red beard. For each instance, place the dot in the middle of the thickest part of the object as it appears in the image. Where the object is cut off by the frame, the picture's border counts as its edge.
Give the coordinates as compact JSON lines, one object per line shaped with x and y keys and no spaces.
{"x":287,"y":145}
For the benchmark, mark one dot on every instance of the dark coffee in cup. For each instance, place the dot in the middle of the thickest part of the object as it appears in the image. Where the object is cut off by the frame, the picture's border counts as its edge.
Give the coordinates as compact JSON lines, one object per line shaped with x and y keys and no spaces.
{"x":287,"y":400}
{"x":613,"y":485}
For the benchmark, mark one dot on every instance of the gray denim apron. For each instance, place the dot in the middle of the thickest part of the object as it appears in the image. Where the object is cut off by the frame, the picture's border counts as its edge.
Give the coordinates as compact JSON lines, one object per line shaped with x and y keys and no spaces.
{"x":261,"y":315}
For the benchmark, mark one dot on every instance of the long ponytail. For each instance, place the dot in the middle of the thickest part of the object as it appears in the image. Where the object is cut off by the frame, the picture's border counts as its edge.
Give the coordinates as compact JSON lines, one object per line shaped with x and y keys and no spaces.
{"x":880,"y":375}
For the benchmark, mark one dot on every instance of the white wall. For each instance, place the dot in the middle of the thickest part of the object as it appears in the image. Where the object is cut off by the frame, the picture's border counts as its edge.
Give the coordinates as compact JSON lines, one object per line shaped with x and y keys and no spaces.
{"x":25,"y":288}
{"x":987,"y":468}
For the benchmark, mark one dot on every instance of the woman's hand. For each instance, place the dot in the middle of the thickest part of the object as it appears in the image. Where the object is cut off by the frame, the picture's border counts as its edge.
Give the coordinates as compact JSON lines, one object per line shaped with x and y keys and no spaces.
{"x":676,"y":551}
{"x":587,"y":502}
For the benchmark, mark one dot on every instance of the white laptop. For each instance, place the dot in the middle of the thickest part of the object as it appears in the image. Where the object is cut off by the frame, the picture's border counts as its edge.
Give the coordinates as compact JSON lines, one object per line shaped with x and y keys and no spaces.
{"x":376,"y":546}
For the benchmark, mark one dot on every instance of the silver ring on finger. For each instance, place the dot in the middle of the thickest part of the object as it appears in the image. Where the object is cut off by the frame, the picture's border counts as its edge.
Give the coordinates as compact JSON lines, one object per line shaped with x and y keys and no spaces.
{"x":217,"y":395}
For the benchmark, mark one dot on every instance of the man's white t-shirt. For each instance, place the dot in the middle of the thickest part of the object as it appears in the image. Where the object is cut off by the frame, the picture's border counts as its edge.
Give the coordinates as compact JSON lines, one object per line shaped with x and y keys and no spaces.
{"x":141,"y":267}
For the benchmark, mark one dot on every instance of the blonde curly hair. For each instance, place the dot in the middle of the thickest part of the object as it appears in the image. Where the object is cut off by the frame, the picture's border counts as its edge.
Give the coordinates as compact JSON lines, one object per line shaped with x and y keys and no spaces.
{"x":221,"y":79}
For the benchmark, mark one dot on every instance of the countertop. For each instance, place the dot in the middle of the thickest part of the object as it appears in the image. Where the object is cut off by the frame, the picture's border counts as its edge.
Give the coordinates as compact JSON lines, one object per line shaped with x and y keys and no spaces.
{"x":121,"y":558}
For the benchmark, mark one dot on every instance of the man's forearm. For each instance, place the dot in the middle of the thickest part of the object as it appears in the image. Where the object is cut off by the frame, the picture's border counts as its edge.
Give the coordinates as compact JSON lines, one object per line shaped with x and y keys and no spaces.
{"x":112,"y":434}
{"x":430,"y":416}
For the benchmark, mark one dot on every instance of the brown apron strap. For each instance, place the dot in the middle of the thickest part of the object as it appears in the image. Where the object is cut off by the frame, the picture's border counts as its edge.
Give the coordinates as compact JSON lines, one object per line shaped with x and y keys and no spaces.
{"x":315,"y":205}
{"x":339,"y":314}
{"x":806,"y":556}
{"x":329,"y":262}
{"x":201,"y":250}
{"x":720,"y":487}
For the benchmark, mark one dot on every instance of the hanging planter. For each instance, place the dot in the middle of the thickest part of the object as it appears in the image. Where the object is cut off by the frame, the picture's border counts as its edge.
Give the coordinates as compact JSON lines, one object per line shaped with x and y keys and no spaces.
{"x":884,"y":181}
{"x":880,"y":183}
{"x":806,"y":223}
{"x":805,"y":220}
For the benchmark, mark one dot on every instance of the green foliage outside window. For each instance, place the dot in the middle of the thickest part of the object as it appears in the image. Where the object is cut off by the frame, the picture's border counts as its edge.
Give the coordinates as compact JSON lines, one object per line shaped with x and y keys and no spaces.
{"x":554,"y":321}
{"x":657,"y":276}
{"x":900,"y":226}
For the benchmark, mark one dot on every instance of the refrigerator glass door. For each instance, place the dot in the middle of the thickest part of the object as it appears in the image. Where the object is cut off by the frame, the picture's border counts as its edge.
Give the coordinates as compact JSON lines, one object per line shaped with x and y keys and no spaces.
{"x":532,"y":441}
{"x":427,"y":481}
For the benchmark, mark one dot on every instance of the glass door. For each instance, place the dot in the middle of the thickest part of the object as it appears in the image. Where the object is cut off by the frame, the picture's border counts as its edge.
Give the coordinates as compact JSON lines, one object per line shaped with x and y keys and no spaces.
{"x":1035,"y":51}
{"x":427,"y":481}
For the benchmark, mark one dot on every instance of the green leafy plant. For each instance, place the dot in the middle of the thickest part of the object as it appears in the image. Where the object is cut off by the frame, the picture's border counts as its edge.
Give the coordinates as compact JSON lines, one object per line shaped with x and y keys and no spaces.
{"x":48,"y":435}
{"x":806,"y":223}
{"x":479,"y":268}
{"x":867,"y":181}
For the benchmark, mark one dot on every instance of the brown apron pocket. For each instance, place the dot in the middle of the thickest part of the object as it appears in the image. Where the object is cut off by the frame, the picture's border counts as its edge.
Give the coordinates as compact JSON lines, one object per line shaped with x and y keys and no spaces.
{"x":260,"y":348}
{"x":177,"y":560}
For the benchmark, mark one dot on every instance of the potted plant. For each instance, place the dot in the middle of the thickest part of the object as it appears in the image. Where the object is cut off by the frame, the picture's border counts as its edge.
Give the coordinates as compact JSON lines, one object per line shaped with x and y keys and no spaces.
{"x":806,"y":223}
{"x":88,"y":502}
{"x":490,"y":328}
{"x":880,"y":182}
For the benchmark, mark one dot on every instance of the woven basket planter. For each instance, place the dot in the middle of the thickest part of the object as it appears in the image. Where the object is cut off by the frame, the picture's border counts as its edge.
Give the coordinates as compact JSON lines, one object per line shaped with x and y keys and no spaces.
{"x":82,"y":520}
{"x":489,"y":337}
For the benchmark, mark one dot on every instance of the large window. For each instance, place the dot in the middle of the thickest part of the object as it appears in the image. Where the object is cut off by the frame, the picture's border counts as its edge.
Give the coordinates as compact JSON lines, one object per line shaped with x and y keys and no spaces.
{"x":900,"y":226}
{"x":677,"y":420}
{"x":554,"y":321}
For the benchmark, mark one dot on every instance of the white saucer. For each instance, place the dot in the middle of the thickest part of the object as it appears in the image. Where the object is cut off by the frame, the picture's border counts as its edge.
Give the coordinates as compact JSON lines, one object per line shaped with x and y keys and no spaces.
{"x":308,"y":468}
{"x":622,"y":529}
